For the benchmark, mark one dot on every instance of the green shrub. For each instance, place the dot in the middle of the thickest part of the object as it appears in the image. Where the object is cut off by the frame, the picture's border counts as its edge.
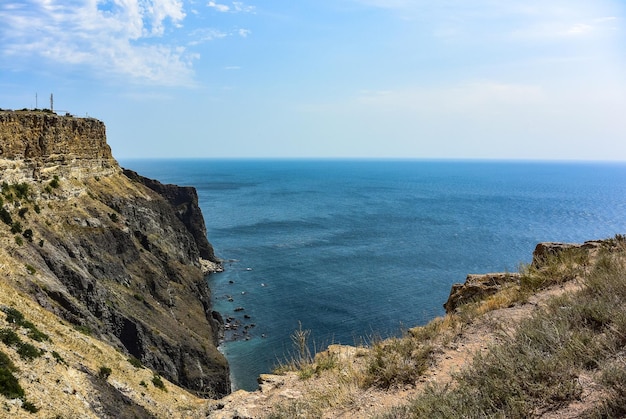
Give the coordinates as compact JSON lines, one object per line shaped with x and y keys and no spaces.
{"x":5,"y":216}
{"x":29,"y":407}
{"x":54,"y":183}
{"x":28,"y":352}
{"x":135,"y":362}
{"x":34,"y":333}
{"x":22,"y":212}
{"x":19,"y":240}
{"x":85,"y":330}
{"x":16,"y":227}
{"x":31,"y":270}
{"x":21,"y":190}
{"x":104,"y":372}
{"x":37,"y":208}
{"x":9,"y":337}
{"x":158,"y":382}
{"x":13,"y":315}
{"x":114,"y":217}
{"x":9,"y":386}
{"x":58,"y":358}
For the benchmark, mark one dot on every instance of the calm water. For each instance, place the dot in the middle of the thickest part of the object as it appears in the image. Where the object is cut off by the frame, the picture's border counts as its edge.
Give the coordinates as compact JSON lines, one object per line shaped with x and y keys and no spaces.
{"x":358,"y":248}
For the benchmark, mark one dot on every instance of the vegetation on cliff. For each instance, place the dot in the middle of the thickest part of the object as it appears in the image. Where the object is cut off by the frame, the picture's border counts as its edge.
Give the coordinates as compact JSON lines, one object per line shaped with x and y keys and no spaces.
{"x":113,"y":258}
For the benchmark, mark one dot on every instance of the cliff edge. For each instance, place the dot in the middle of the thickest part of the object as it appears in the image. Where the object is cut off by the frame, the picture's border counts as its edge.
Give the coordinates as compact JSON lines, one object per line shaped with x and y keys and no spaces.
{"x":116,"y":255}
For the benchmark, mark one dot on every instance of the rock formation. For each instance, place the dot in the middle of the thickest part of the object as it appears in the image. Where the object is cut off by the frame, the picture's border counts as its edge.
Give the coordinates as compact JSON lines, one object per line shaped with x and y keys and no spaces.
{"x":118,"y":256}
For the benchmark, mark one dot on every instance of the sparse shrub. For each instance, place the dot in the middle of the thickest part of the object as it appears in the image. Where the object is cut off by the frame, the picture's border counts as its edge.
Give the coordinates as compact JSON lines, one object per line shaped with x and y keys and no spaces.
{"x":13,"y":315}
{"x":104,"y":372}
{"x":114,"y":217}
{"x":28,"y":352}
{"x":58,"y":358}
{"x":37,"y":208}
{"x":397,"y":361}
{"x":19,"y":240}
{"x":135,"y":362}
{"x":158,"y":382}
{"x":48,"y":189}
{"x":29,"y":407}
{"x":9,"y":337}
{"x":54,"y":183}
{"x":21,"y":190}
{"x":16,"y":227}
{"x":85,"y":330}
{"x":41,"y":243}
{"x":9,"y":386}
{"x":22,"y":212}
{"x":34,"y":333}
{"x":143,"y":383}
{"x":31,"y":270}
{"x":5,"y":216}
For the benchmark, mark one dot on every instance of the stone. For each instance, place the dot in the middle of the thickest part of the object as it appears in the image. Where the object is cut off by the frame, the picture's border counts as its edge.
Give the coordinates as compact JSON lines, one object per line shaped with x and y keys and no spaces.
{"x":477,"y":287}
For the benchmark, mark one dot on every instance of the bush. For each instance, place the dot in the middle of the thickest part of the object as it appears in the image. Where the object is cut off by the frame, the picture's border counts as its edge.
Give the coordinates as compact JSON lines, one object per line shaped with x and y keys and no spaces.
{"x":5,"y":216}
{"x":16,"y":227}
{"x":135,"y":362}
{"x":19,"y":240}
{"x":31,"y":270}
{"x":21,"y":190}
{"x":9,"y":386}
{"x":28,"y":352}
{"x":9,"y":337}
{"x":13,"y":315}
{"x":397,"y":361}
{"x":34,"y":333}
{"x":54,"y":183}
{"x":158,"y":382}
{"x":29,"y":407}
{"x":104,"y":372}
{"x":58,"y":358}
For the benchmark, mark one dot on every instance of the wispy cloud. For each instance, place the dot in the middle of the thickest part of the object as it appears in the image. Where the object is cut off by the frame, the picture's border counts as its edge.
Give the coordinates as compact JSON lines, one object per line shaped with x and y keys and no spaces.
{"x":234,"y":7}
{"x":118,"y":37}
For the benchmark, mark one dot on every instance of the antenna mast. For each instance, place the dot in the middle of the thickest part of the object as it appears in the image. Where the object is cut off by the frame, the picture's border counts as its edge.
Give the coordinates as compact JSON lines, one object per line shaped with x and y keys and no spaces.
{"x":51,"y":103}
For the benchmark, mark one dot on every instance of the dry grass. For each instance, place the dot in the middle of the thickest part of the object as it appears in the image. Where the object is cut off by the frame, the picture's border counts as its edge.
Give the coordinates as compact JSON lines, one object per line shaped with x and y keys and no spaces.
{"x":535,"y":370}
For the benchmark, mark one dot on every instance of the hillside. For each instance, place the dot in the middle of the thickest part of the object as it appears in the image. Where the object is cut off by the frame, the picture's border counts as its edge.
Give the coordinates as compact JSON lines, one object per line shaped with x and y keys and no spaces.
{"x":549,"y":341}
{"x":103,"y":260}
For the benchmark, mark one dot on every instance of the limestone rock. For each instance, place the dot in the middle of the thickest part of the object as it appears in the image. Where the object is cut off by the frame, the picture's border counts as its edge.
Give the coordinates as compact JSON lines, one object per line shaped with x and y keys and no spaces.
{"x":477,"y":287}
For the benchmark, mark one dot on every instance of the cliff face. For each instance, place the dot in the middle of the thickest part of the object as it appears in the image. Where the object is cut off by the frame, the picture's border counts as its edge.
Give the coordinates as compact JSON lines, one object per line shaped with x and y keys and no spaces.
{"x":110,"y":255}
{"x":36,"y":145}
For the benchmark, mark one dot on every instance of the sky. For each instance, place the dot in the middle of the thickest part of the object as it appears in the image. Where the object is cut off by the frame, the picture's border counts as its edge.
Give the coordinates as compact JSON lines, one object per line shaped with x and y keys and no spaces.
{"x":448,"y":79}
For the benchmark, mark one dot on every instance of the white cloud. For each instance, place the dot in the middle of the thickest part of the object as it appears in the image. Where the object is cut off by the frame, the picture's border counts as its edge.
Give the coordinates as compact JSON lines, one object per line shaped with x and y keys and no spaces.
{"x":244,"y":32}
{"x":237,"y":7}
{"x":219,"y":7}
{"x":120,"y":37}
{"x":206,"y":35}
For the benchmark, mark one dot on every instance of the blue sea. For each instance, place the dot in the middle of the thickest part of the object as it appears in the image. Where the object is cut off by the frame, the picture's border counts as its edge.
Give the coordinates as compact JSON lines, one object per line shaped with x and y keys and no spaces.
{"x":352,"y":249}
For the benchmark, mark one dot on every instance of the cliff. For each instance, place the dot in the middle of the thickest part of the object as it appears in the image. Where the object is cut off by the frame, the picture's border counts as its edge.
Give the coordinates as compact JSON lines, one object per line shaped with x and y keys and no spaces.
{"x":117,"y":256}
{"x":39,"y":145}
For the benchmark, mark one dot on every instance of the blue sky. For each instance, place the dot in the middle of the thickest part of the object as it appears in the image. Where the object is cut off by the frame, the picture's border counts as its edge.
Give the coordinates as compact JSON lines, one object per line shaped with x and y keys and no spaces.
{"x":486,"y":79}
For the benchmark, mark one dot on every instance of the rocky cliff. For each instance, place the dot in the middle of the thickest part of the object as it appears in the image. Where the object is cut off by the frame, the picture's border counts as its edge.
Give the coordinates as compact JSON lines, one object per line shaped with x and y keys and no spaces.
{"x":116,"y":255}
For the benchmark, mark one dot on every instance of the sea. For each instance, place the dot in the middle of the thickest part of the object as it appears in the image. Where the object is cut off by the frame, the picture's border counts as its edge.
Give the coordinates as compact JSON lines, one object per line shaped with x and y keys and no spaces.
{"x":356,"y":250}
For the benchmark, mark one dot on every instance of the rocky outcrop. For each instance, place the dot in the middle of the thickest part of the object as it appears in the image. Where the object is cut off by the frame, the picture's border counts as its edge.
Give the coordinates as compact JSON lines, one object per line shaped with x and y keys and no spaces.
{"x":39,"y":145}
{"x":478,"y":287}
{"x":116,"y":258}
